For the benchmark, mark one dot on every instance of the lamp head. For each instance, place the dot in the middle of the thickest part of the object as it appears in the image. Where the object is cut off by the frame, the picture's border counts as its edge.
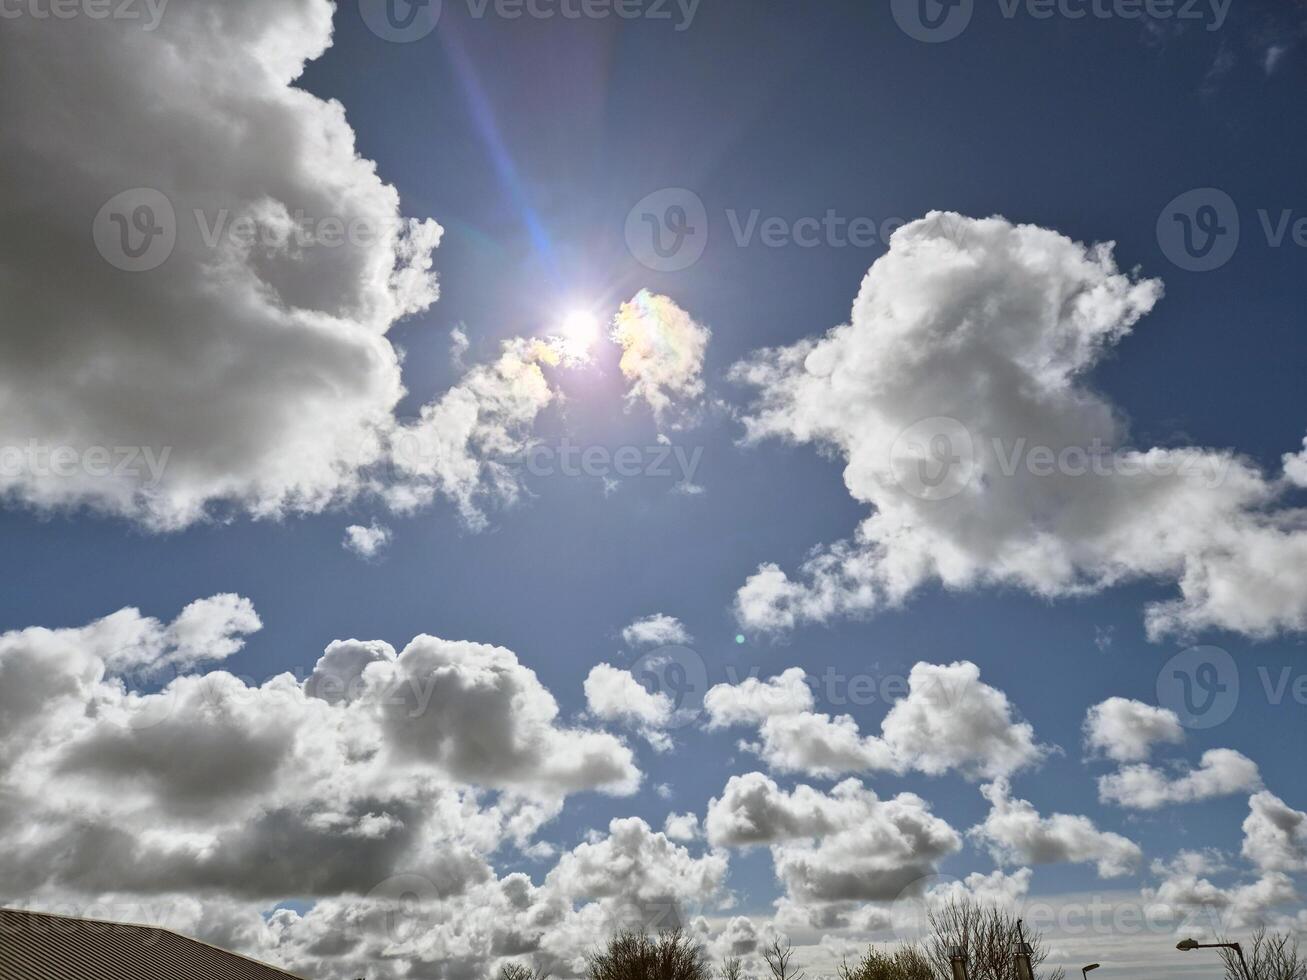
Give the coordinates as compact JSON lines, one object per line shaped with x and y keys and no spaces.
{"x":1091,"y":966}
{"x":1187,"y":944}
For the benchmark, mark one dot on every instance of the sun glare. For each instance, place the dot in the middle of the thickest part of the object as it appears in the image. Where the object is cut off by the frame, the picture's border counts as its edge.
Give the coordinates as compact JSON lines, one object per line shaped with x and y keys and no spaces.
{"x":579,"y":330}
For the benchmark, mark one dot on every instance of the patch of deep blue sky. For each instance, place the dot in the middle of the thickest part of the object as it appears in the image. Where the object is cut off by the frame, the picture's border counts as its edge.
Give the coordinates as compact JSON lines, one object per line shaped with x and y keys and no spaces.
{"x":1089,"y":126}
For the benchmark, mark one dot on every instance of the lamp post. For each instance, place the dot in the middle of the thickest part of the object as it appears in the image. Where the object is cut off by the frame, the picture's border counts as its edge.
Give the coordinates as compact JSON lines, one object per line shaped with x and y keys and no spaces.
{"x":957,"y":958}
{"x":1188,"y":944}
{"x":1023,"y":952}
{"x":1084,"y":970}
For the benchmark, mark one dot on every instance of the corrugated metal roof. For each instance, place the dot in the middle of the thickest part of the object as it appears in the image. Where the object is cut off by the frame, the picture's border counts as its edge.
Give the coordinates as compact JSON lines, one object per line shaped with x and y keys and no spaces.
{"x":36,"y":946}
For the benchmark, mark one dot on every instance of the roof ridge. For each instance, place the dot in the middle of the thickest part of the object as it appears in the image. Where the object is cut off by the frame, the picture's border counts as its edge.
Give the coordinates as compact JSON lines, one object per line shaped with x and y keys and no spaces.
{"x":5,"y":910}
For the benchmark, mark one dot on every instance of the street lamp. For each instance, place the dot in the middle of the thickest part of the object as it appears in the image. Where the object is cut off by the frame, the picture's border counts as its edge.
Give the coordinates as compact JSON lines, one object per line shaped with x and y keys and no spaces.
{"x":1084,"y":970}
{"x":1188,"y":944}
{"x":1023,"y":952}
{"x":957,"y":958}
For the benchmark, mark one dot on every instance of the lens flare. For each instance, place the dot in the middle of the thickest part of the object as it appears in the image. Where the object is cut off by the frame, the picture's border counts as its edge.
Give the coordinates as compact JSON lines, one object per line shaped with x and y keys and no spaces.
{"x":579,"y":330}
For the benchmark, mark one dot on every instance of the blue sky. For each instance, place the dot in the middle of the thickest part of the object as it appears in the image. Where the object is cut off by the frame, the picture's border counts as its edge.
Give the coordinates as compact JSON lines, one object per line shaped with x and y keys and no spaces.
{"x":530,"y":141}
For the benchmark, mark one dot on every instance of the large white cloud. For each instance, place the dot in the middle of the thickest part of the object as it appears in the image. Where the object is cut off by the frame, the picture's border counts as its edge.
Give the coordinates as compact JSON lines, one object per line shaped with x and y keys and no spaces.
{"x":476,"y":711}
{"x":251,"y":369}
{"x":628,"y":877}
{"x":958,"y":397}
{"x":949,"y":721}
{"x":137,"y":782}
{"x":633,"y":862}
{"x":256,"y":359}
{"x":410,"y":926}
{"x":998,"y":888}
{"x":838,"y":847}
{"x":381,"y":763}
{"x":1016,"y":834}
{"x":952,"y":720}
{"x":1144,"y":787}
{"x":1196,"y":901}
{"x":46,"y":674}
{"x":1275,"y":834}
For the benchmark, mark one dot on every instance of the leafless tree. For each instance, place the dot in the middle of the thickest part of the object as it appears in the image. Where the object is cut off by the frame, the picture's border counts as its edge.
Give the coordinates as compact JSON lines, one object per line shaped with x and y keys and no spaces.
{"x":1270,"y":956}
{"x":520,"y":971}
{"x":637,"y":956}
{"x":904,"y":963}
{"x":779,"y":959}
{"x":988,"y":935}
{"x":732,"y":968}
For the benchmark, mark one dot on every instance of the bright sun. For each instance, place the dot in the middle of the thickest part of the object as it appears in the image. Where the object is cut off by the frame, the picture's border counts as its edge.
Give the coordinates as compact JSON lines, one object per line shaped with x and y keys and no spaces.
{"x":579,"y":330}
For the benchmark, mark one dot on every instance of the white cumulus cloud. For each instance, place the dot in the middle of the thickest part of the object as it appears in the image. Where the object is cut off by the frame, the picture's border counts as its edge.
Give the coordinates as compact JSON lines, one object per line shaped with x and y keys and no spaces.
{"x":949,"y":721}
{"x":1016,"y":833}
{"x":1275,"y":834}
{"x":843,"y":846}
{"x":958,"y":396}
{"x":657,"y":630}
{"x":613,"y":694}
{"x":1126,"y":730}
{"x":1143,"y":787}
{"x":256,"y":356}
{"x":367,"y":541}
{"x":662,"y":355}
